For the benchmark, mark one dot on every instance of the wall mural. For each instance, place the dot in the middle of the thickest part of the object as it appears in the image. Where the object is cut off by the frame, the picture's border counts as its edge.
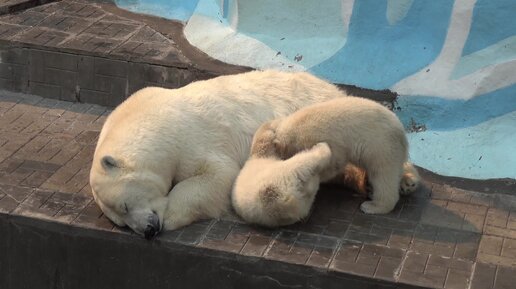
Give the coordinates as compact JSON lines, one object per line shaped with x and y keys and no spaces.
{"x":452,"y":62}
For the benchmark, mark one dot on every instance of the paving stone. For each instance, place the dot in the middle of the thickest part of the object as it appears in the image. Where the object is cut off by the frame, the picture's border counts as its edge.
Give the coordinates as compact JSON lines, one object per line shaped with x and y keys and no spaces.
{"x":92,"y":43}
{"x":66,"y":23}
{"x":496,"y":260}
{"x":433,"y":277}
{"x":193,"y":234}
{"x":147,"y":34}
{"x":484,"y":276}
{"x":435,"y":238}
{"x":459,"y":195}
{"x":25,"y":18}
{"x":42,"y":36}
{"x":8,"y":204}
{"x":16,"y":177}
{"x":388,"y":268}
{"x":320,"y":257}
{"x":49,"y":7}
{"x":101,"y":223}
{"x":473,"y":223}
{"x":72,"y":208}
{"x":509,"y":248}
{"x":415,"y":262}
{"x":361,"y":269}
{"x":82,"y":10}
{"x":446,"y":251}
{"x":467,"y":208}
{"x":497,"y":231}
{"x":466,"y":251}
{"x":457,"y":279}
{"x":233,"y":242}
{"x":399,"y":239}
{"x":13,"y":6}
{"x":491,"y":245}
{"x":36,"y":178}
{"x":445,"y":262}
{"x":256,"y":245}
{"x":146,"y":50}
{"x":111,"y":30}
{"x":7,"y":31}
{"x":505,"y":278}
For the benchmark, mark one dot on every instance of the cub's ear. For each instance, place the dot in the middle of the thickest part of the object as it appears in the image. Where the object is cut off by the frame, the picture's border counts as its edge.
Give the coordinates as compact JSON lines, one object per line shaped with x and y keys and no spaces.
{"x":108,"y":163}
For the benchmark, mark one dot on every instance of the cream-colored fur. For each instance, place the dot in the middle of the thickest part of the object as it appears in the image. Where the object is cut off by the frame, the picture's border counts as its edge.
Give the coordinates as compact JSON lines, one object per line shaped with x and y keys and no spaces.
{"x":360,"y":132}
{"x":168,"y":157}
{"x":274,"y":192}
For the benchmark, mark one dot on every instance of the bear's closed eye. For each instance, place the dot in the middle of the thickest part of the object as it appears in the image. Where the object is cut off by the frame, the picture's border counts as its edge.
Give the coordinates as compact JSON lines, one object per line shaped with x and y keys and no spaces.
{"x":108,"y":162}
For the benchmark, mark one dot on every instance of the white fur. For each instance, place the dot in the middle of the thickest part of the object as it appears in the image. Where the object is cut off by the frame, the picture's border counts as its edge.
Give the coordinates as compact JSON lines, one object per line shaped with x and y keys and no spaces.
{"x":177,"y":152}
{"x":358,"y":131}
{"x":274,"y":192}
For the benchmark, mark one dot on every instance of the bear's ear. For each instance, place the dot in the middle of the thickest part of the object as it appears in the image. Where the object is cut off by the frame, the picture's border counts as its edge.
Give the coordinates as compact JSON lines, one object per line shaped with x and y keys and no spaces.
{"x":108,"y":162}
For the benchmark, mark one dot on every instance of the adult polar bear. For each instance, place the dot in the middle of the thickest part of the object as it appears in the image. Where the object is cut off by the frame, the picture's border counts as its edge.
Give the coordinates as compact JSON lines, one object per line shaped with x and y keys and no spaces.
{"x":168,"y":157}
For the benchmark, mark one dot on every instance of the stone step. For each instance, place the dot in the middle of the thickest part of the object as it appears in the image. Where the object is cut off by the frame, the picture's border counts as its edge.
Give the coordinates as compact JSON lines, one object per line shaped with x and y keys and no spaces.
{"x":12,"y":6}
{"x":53,"y":235}
{"x":96,"y":53}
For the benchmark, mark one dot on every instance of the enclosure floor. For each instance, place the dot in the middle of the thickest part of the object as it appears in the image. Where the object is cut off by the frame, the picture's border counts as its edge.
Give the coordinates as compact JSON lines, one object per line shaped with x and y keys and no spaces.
{"x":440,"y":237}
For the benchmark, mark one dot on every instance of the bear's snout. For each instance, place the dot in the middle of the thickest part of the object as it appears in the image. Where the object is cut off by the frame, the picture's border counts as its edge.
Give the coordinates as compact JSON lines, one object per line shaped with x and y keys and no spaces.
{"x":153,"y":227}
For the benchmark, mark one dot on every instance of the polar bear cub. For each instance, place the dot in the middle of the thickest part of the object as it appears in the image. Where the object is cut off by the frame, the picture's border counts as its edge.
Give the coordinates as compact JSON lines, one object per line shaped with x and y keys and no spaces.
{"x":360,"y":132}
{"x":273,"y":192}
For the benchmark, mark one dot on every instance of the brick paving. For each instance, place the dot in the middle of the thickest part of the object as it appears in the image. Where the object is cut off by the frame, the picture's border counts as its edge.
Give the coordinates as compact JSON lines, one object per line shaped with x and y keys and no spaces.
{"x":93,"y":52}
{"x":10,"y":6}
{"x":441,"y":237}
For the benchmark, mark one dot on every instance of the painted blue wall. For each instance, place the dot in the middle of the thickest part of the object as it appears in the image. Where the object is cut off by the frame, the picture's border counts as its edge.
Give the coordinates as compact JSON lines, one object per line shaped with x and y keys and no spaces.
{"x":171,"y":9}
{"x":439,"y":114}
{"x":493,"y":21}
{"x":460,"y":82}
{"x":377,"y":54}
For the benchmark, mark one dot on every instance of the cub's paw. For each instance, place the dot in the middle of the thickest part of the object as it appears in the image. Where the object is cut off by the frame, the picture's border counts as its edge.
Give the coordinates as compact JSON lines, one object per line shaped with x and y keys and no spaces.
{"x":409,"y":184}
{"x":370,"y":207}
{"x":323,"y":150}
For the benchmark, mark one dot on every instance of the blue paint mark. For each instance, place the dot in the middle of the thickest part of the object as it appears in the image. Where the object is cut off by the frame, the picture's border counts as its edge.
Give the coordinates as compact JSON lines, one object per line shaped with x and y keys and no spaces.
{"x":499,"y":52}
{"x":225,"y":8}
{"x":440,"y":114}
{"x":483,"y":151}
{"x":493,"y":20}
{"x":472,"y":139}
{"x":171,"y":9}
{"x":377,"y":55}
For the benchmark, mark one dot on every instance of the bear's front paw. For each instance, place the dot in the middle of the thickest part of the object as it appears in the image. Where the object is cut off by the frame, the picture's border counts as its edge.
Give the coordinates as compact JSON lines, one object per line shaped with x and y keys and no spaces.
{"x":177,"y":221}
{"x":370,"y":207}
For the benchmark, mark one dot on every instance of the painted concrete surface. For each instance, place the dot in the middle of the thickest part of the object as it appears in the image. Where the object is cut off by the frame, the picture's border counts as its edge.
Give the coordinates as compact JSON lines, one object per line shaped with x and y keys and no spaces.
{"x":452,"y":62}
{"x":171,"y":9}
{"x":473,"y":138}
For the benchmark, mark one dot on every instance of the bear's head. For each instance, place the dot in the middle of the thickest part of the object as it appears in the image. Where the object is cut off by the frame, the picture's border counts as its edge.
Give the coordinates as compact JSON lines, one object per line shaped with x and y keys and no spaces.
{"x":273,"y":192}
{"x":127,"y":195}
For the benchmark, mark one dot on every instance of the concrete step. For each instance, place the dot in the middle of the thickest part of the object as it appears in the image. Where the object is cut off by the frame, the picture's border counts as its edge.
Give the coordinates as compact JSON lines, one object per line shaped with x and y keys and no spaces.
{"x":96,"y":53}
{"x":53,"y":235}
{"x":13,"y":6}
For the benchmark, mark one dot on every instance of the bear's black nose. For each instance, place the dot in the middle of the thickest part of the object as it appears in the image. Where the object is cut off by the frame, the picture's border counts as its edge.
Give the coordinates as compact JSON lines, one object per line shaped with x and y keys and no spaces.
{"x":150,"y":232}
{"x":153,"y":226}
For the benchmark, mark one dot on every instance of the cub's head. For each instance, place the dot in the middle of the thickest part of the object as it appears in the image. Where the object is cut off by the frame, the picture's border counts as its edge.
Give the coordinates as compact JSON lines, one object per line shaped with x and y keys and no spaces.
{"x":128,"y":195}
{"x":273,"y":192}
